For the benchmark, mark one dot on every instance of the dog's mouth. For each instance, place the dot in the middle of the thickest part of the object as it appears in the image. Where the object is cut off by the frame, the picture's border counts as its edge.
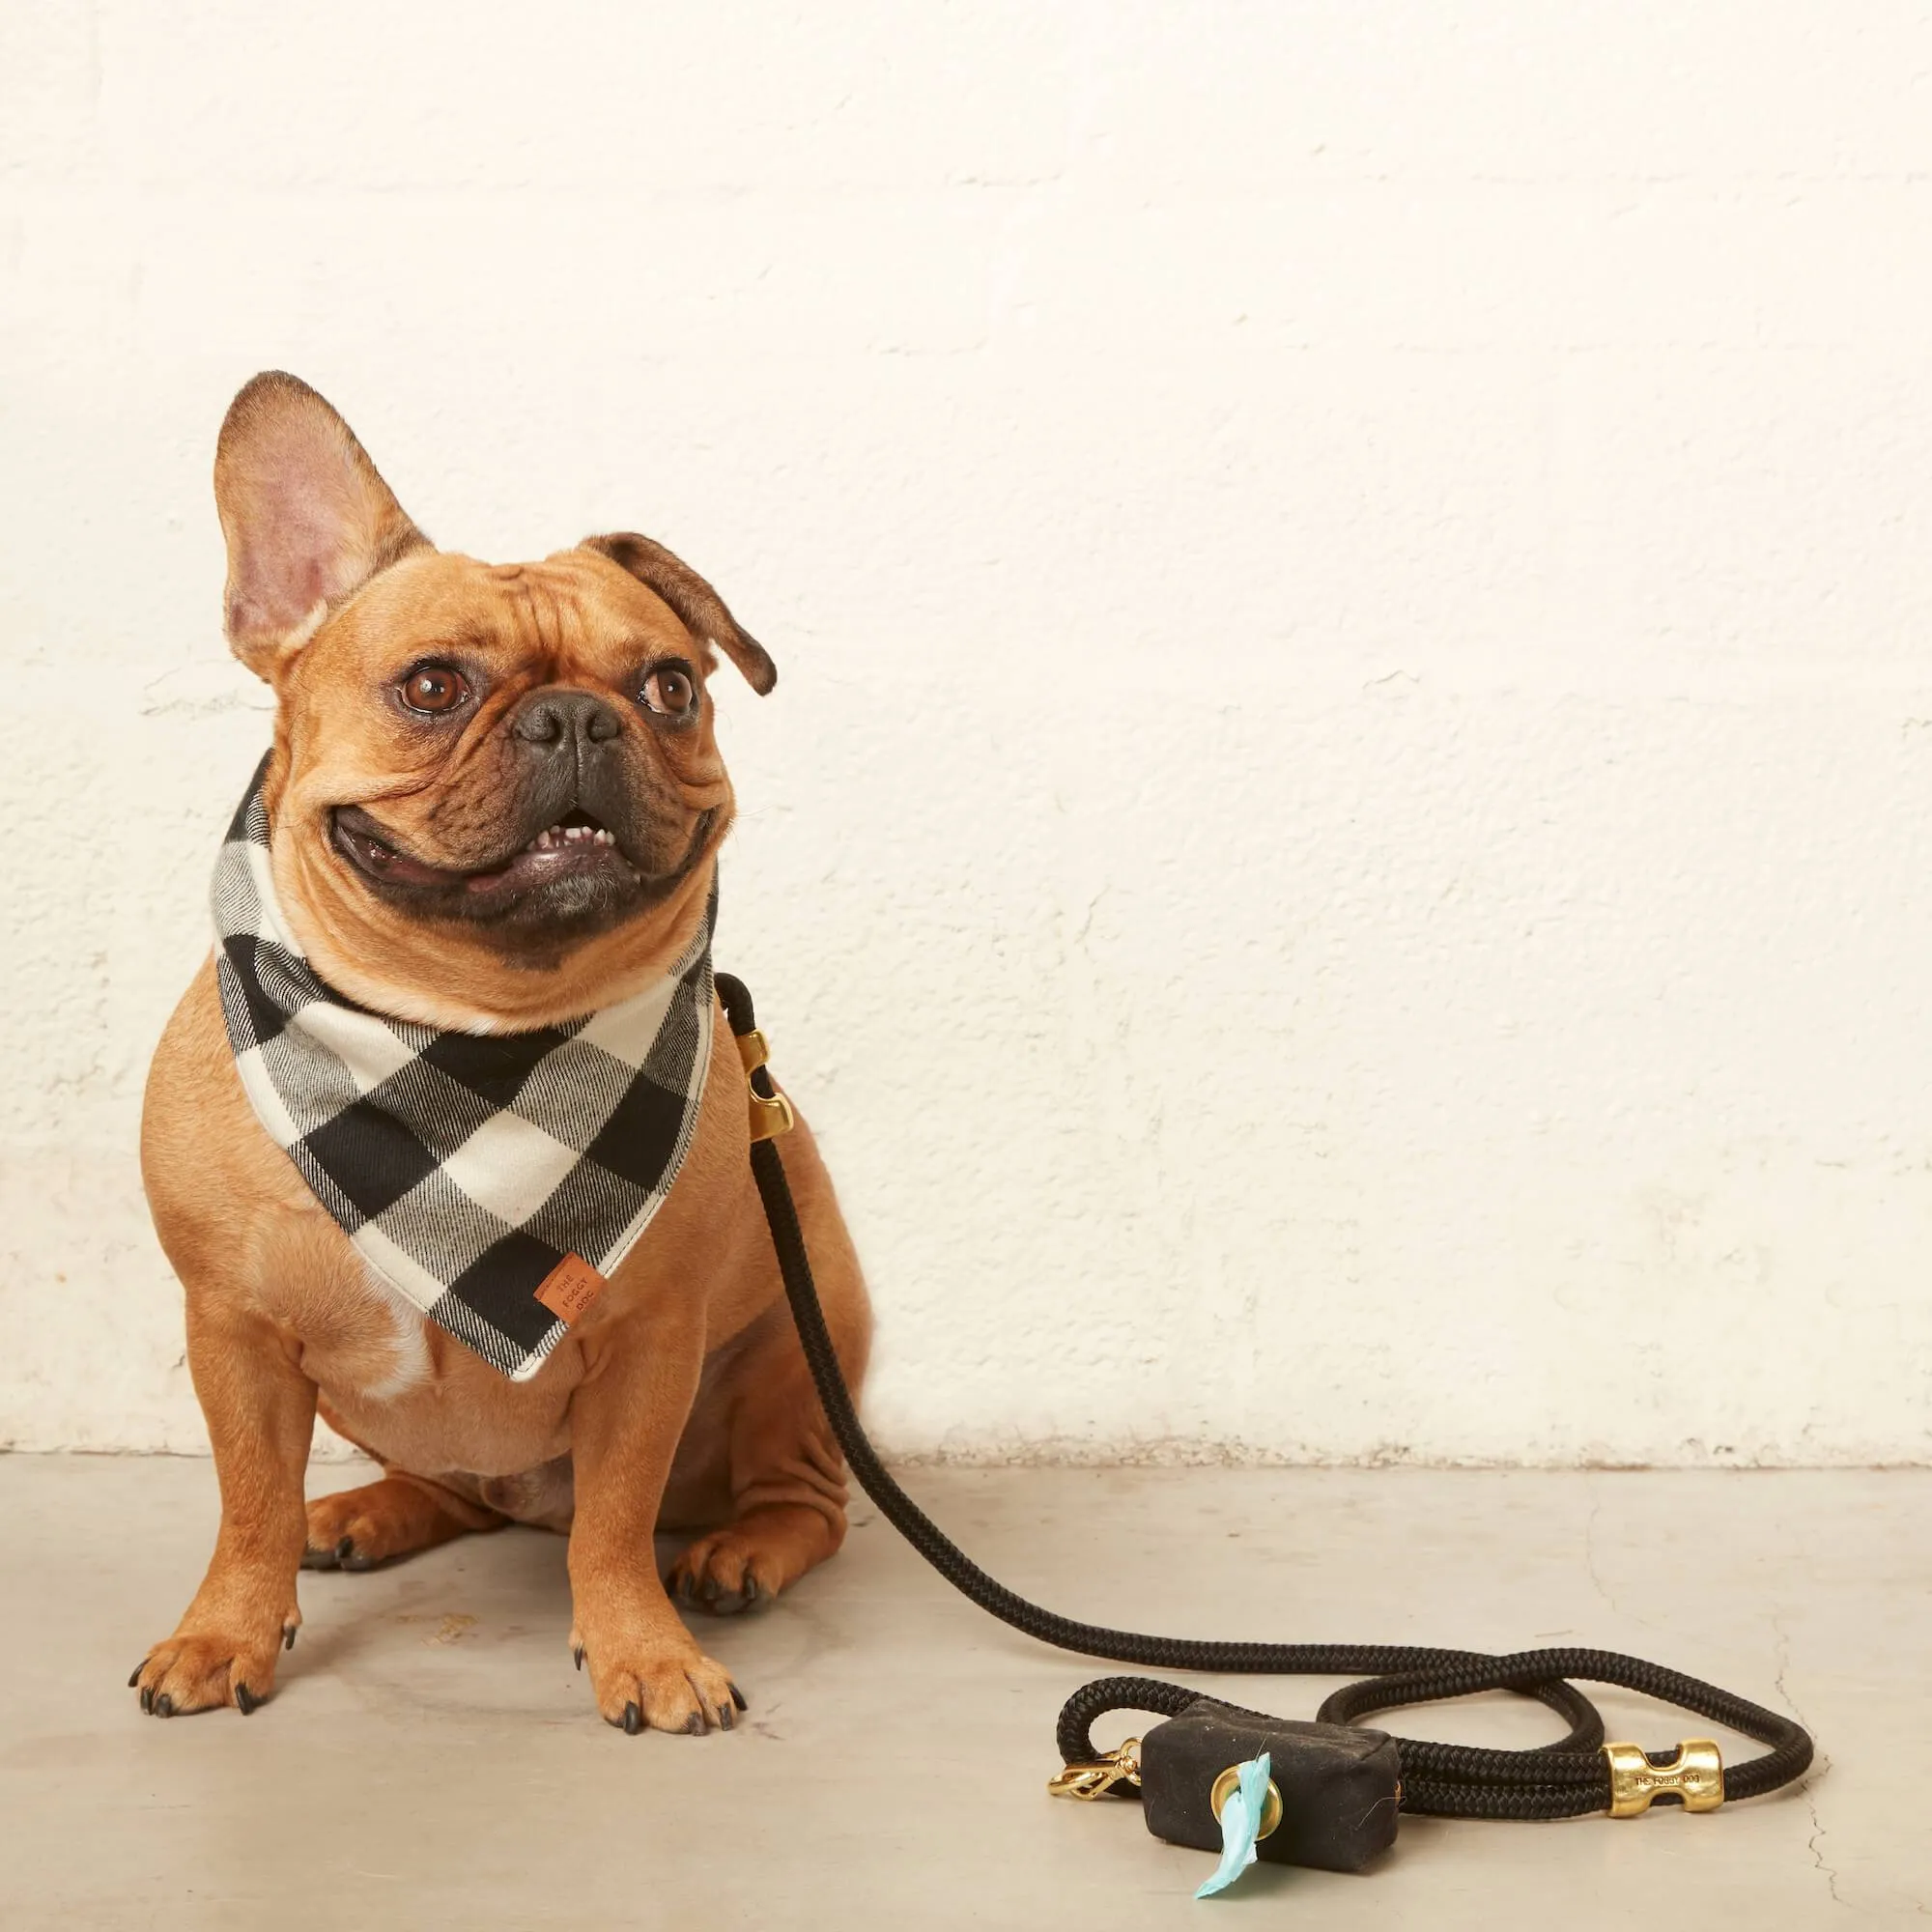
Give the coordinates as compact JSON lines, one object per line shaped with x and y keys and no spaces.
{"x":578,"y":846}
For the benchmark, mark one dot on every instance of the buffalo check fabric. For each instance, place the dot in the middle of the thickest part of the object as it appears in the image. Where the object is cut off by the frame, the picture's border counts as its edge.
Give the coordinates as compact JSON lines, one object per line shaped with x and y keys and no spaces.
{"x":465,"y":1167}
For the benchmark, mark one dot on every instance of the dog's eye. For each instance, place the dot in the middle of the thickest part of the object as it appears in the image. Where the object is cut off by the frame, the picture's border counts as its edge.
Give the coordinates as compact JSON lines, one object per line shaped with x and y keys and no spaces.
{"x":669,"y":692}
{"x":433,"y":689}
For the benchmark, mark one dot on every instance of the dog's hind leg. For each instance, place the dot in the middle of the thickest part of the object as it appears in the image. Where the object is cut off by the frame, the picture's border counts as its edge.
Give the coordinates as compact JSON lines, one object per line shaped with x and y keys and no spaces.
{"x":397,"y":1516}
{"x":402,"y":1514}
{"x":788,"y":1478}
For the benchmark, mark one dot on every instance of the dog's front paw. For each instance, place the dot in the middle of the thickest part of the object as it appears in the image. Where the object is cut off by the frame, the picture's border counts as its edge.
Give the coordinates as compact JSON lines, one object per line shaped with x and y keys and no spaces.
{"x":204,"y":1669}
{"x":660,"y":1683}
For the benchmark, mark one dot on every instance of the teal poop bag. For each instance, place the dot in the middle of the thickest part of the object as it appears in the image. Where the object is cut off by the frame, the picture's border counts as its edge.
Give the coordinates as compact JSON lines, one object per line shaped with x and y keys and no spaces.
{"x":1241,"y":1825}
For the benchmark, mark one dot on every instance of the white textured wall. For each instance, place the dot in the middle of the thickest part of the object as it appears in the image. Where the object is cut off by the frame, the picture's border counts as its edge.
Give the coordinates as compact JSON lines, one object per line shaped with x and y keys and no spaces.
{"x":1342,"y":850}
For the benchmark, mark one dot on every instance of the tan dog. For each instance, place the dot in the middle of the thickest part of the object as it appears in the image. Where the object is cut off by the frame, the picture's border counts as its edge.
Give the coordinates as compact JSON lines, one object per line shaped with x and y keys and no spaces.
{"x":434,"y":716}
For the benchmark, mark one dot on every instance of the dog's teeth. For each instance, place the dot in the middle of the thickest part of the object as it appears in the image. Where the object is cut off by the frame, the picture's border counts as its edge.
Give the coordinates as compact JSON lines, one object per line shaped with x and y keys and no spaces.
{"x":560,"y":836}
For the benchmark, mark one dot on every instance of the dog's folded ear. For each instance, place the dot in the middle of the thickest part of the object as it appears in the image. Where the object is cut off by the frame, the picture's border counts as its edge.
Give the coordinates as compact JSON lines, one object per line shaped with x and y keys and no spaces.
{"x":306,"y":518}
{"x":699,"y":607}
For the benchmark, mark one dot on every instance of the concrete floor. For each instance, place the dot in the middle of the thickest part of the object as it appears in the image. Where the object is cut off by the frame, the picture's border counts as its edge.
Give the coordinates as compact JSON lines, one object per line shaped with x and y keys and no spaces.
{"x":431,"y":1758}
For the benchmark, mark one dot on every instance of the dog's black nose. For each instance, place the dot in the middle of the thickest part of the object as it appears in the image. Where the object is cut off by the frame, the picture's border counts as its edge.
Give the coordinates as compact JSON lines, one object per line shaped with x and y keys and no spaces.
{"x":562,"y":717}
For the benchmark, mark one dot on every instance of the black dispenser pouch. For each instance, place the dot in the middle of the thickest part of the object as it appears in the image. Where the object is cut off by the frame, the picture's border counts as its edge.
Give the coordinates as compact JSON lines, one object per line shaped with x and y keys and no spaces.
{"x":1340,"y":1788}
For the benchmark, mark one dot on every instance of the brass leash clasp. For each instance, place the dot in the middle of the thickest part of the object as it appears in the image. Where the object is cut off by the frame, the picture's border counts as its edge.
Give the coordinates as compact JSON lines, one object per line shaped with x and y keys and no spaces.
{"x":771,"y":1112}
{"x":1086,"y":1782}
{"x":1695,"y":1775}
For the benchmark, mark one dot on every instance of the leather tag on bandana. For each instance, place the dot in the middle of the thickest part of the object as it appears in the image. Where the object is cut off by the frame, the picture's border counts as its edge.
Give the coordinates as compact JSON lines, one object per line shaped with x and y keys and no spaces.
{"x":569,"y":1289}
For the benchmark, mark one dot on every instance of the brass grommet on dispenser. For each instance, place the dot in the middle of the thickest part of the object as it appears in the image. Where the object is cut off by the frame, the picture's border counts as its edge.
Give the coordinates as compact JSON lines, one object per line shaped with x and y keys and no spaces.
{"x":1223,"y":1788}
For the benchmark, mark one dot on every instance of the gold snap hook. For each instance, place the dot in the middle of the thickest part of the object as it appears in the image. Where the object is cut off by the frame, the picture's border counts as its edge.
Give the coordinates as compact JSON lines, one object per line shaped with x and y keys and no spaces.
{"x":771,"y":1113}
{"x":1085,"y":1782}
{"x":1695,"y":1775}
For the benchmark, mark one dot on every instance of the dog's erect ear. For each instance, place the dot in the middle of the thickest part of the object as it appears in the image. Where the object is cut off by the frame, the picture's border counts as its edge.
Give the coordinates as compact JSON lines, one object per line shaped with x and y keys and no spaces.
{"x":306,"y":518}
{"x":700,"y":607}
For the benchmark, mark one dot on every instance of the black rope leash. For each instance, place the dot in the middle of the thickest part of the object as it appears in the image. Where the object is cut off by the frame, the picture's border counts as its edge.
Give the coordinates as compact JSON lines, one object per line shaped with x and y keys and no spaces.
{"x":1563,"y":1779}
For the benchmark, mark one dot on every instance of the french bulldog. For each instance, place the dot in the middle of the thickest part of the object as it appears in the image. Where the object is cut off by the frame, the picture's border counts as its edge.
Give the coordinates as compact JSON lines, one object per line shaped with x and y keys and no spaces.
{"x":495,"y":803}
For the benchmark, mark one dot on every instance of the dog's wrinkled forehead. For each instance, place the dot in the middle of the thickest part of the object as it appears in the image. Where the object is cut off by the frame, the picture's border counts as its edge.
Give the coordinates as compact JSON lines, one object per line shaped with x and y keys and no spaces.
{"x":573,"y":617}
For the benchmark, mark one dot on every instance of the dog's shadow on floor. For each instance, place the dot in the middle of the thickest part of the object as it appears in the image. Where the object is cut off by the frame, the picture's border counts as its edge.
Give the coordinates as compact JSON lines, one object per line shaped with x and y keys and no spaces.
{"x":510,"y":1586}
{"x":511,"y":1583}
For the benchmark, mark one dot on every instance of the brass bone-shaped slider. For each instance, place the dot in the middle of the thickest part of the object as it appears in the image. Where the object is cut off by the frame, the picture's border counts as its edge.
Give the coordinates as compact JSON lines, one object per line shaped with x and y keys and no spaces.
{"x":1695,"y":1775}
{"x":771,"y":1112}
{"x":1085,"y":1782}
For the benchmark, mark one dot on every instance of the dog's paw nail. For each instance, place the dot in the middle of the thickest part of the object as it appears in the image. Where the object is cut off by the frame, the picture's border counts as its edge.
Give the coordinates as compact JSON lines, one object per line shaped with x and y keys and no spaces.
{"x":287,"y":1637}
{"x":577,"y":1655}
{"x":634,"y":1720}
{"x":345,"y":1549}
{"x":724,"y":1718}
{"x":137,"y":1677}
{"x":693,"y":1725}
{"x":164,"y":1706}
{"x":738,"y":1698}
{"x":246,"y":1700}
{"x":148,"y":1701}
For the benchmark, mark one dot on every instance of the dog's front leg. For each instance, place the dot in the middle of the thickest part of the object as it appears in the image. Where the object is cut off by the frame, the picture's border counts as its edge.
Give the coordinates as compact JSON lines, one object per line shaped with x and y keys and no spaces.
{"x":259,"y":1409}
{"x":645,"y":1668}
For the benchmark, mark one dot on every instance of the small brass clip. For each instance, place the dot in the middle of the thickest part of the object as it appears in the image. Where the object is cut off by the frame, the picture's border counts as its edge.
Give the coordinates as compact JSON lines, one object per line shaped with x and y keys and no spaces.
{"x":1696,"y":1775}
{"x":1090,"y":1780}
{"x":771,"y":1113}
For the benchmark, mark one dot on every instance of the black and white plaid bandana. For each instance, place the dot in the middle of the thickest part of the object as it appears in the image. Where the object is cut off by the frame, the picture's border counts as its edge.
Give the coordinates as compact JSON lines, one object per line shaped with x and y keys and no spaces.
{"x":467,"y":1168}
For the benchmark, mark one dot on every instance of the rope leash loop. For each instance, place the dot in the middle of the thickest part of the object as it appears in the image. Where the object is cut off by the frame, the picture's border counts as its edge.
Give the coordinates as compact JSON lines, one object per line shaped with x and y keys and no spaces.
{"x":1577,"y":1774}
